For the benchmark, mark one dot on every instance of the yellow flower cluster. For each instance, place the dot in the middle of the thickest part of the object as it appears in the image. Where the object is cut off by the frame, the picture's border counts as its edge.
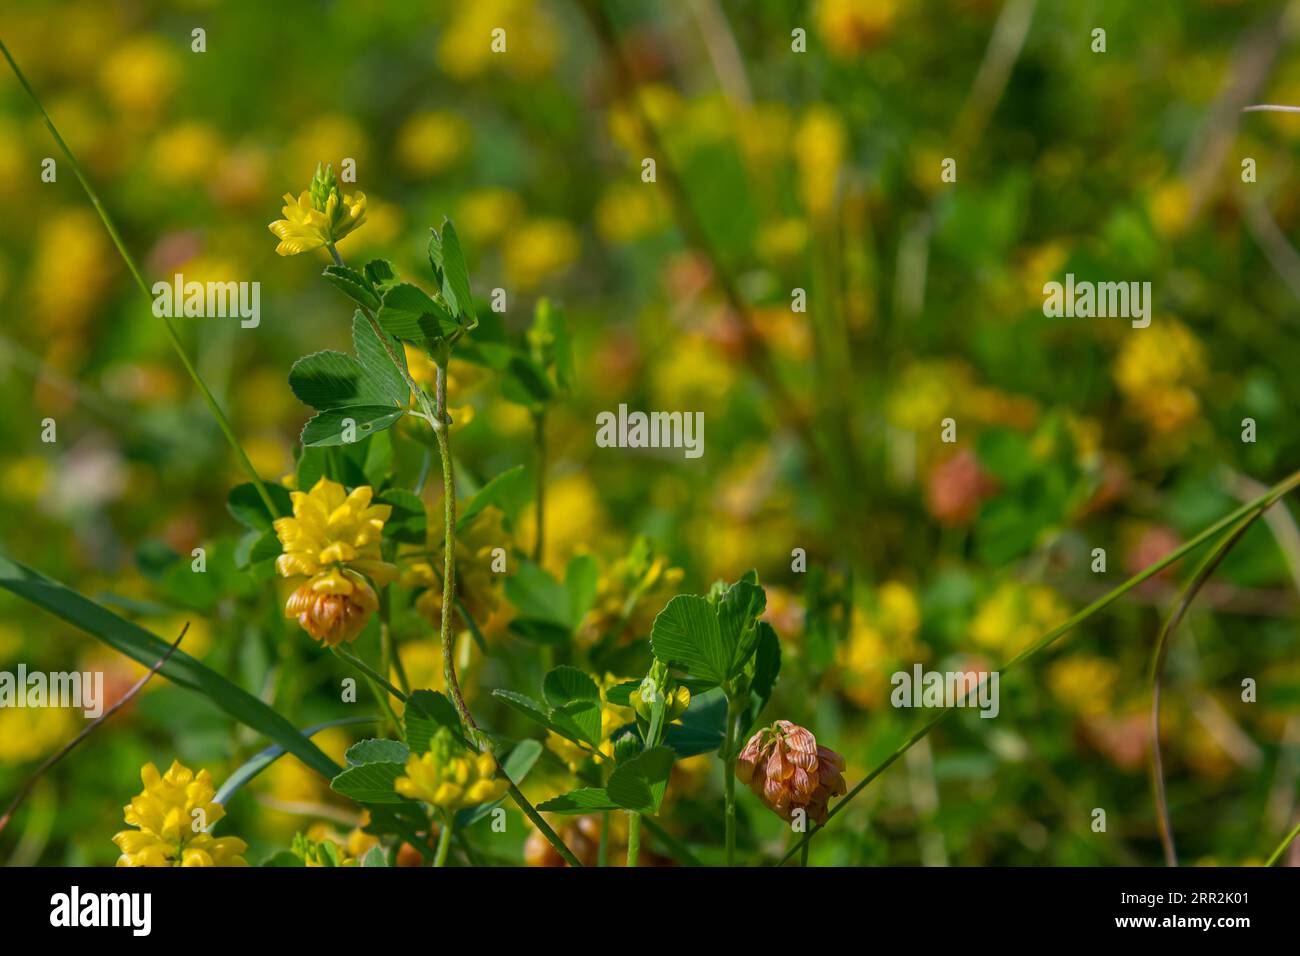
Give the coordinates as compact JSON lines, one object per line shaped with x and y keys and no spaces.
{"x":174,"y":813}
{"x":334,"y":539}
{"x":319,"y":217}
{"x":449,"y":777}
{"x":479,"y":588}
{"x":880,"y":633}
{"x":1015,"y":615}
{"x":1157,"y":371}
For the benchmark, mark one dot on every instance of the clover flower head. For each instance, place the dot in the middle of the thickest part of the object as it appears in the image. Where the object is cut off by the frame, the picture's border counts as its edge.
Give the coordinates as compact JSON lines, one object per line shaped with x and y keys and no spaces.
{"x":788,"y":770}
{"x":333,"y":606}
{"x":319,"y":217}
{"x":174,"y":812}
{"x":449,"y":777}
{"x":331,"y":527}
{"x":334,"y":539}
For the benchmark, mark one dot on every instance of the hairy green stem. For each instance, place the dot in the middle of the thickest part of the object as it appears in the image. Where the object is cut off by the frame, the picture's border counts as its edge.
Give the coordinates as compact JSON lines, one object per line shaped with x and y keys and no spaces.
{"x":131,"y":266}
{"x":729,"y":779}
{"x":633,"y":838}
{"x":444,"y":839}
{"x":539,"y":438}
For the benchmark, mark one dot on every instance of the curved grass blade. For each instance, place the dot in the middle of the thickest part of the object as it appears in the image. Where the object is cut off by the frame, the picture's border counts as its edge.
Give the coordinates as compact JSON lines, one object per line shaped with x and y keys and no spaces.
{"x":71,"y":745}
{"x":1281,"y":847}
{"x":263,"y":759}
{"x":1203,"y":573}
{"x":142,"y":646}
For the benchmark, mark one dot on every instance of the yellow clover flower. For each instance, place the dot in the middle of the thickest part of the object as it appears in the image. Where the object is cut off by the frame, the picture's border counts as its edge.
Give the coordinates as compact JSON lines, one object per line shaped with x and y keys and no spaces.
{"x":450,"y":778}
{"x":174,"y":811}
{"x":319,"y":217}
{"x":334,"y":539}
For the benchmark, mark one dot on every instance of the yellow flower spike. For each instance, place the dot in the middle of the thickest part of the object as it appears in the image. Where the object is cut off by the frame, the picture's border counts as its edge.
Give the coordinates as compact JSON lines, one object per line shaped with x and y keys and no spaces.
{"x":449,"y":778}
{"x":166,"y":813}
{"x":319,"y":217}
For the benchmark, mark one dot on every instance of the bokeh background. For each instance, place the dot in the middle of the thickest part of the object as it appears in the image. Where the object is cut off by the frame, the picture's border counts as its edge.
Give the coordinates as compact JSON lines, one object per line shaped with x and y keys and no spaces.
{"x":776,"y":170}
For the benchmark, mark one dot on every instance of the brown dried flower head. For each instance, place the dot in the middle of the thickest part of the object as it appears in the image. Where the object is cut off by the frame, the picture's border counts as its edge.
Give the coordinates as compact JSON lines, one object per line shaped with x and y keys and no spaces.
{"x":788,"y":770}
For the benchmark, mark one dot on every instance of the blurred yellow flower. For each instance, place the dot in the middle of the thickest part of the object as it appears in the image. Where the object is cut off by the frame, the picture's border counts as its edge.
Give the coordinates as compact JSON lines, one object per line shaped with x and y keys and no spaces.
{"x":430,"y":142}
{"x":185,"y":153}
{"x":882,"y":632}
{"x":30,"y":732}
{"x":530,"y":38}
{"x":478,"y":585}
{"x":783,"y":240}
{"x":1084,"y":683}
{"x":174,"y":813}
{"x":820,"y":144}
{"x":71,"y":268}
{"x":850,"y":27}
{"x":627,"y":212}
{"x":1157,"y":369}
{"x":139,"y":76}
{"x":1015,"y":615}
{"x":333,"y":137}
{"x":484,"y":215}
{"x":538,"y":250}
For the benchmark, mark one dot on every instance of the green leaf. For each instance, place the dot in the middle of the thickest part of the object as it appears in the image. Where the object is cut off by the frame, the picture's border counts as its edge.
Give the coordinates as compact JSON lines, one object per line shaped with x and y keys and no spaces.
{"x":535,"y":594}
{"x":256,"y":548}
{"x":376,"y":750}
{"x":578,"y":720}
{"x":426,"y":711}
{"x":580,"y":581}
{"x":638,"y":785}
{"x":767,"y":665}
{"x":140,"y":645}
{"x":377,"y":856}
{"x":526,"y":706}
{"x":586,"y":800}
{"x":354,"y":285}
{"x":381,"y":273}
{"x":327,"y":428}
{"x":329,"y":379}
{"x":408,"y":521}
{"x":370,"y":782}
{"x":449,"y":266}
{"x":248,"y":508}
{"x":565,"y":684}
{"x":686,"y":634}
{"x":504,"y":491}
{"x":702,"y":728}
{"x":525,"y":383}
{"x":381,"y":375}
{"x":408,"y":313}
{"x":738,"y":612}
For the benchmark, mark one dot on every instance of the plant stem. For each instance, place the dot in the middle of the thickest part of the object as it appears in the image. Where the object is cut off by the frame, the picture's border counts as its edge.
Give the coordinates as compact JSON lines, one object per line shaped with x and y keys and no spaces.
{"x":439,"y":421}
{"x":444,"y":839}
{"x":803,"y":854}
{"x":633,"y":838}
{"x":729,"y":779}
{"x":539,"y":438}
{"x":131,"y":266}
{"x":602,"y":851}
